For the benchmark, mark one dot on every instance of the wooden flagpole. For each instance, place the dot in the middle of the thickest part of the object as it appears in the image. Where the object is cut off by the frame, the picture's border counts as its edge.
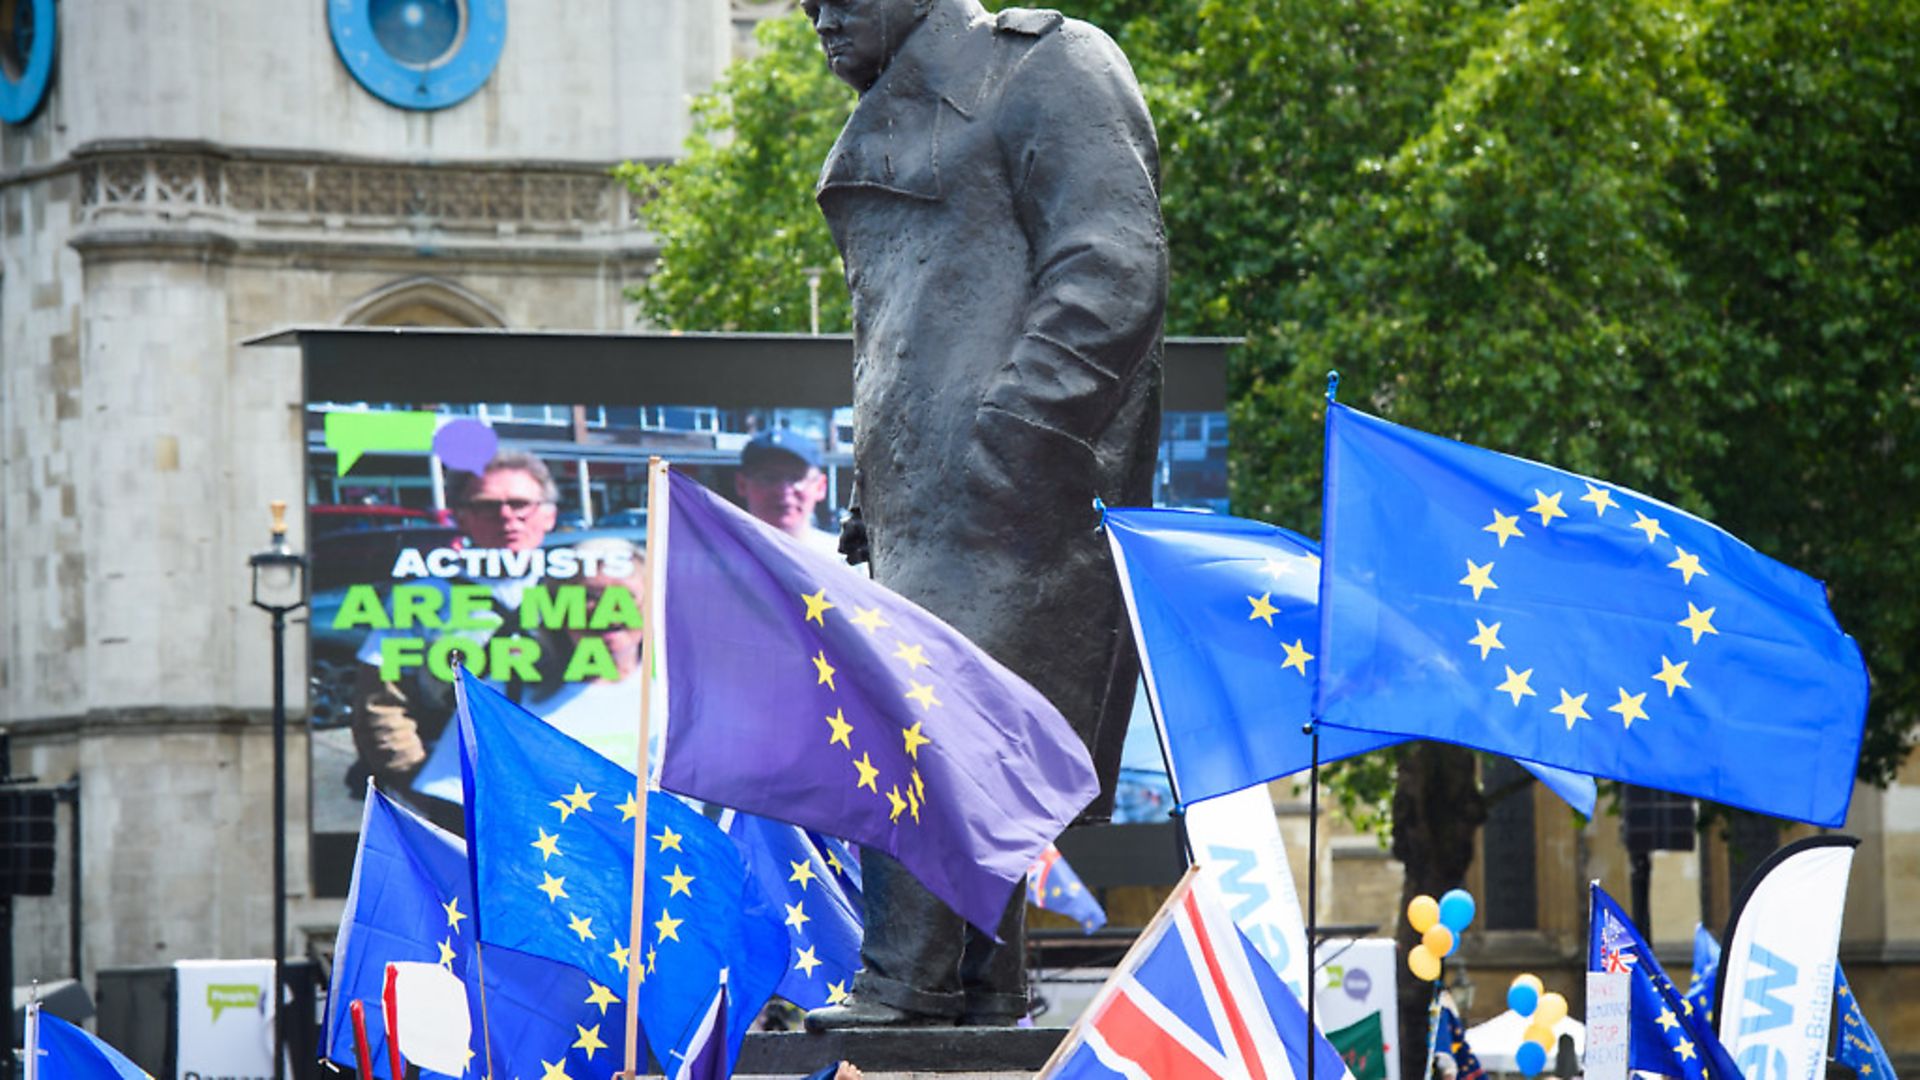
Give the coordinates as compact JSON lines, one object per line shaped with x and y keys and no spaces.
{"x":656,"y":524}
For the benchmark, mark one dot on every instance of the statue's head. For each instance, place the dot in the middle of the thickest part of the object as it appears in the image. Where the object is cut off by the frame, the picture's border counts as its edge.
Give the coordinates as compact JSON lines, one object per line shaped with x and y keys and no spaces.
{"x":861,"y":36}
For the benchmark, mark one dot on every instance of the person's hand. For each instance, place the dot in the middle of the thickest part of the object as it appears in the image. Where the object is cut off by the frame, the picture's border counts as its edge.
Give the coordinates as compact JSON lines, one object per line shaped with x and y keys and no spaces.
{"x":847,"y":1071}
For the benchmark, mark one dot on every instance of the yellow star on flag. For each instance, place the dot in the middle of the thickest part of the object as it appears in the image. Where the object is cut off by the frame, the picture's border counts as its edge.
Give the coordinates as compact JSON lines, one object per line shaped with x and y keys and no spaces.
{"x":913,"y":806}
{"x":914,"y":739}
{"x":1488,"y":638}
{"x":549,"y":845}
{"x":1505,"y":526}
{"x":1674,"y":675}
{"x":555,"y":1070}
{"x":864,"y":763}
{"x":922,"y":694}
{"x":834,"y":861}
{"x":836,"y":993}
{"x":1700,"y":622}
{"x":1547,"y":506}
{"x":898,"y":804}
{"x":669,"y":927}
{"x":631,"y":808}
{"x":1571,"y":707}
{"x":653,"y":957}
{"x":553,"y":887}
{"x":869,"y":619}
{"x":914,"y":656}
{"x":1297,"y":656}
{"x":565,"y":808}
{"x":817,"y":607}
{"x":1263,"y":608}
{"x":1629,"y":707}
{"x":678,"y":882}
{"x":1685,"y":1049}
{"x":446,"y":953}
{"x":797,"y":916}
{"x":841,"y":729}
{"x":580,"y":799}
{"x":601,"y":996}
{"x":824,"y":670}
{"x":1516,"y":685}
{"x":454,"y":914}
{"x":1601,"y":498}
{"x":1647,"y":525}
{"x":802,"y":873}
{"x":1688,"y":564}
{"x":1479,"y":577}
{"x":1667,"y":1020}
{"x":669,"y":840}
{"x":620,"y":955}
{"x":805,"y":961}
{"x":589,"y":1040}
{"x":583,"y":927}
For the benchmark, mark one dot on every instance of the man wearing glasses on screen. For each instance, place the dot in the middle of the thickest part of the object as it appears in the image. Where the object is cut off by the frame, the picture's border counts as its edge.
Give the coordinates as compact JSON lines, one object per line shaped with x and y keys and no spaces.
{"x":509,"y":506}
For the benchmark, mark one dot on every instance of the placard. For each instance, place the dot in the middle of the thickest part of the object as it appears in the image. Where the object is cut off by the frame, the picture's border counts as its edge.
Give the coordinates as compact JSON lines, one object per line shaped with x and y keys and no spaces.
{"x":224,"y":1014}
{"x":1609,"y":1030}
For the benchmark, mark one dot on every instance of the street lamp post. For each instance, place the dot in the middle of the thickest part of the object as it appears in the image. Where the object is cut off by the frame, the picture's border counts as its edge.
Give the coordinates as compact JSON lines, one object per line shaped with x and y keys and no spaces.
{"x":279,"y":588}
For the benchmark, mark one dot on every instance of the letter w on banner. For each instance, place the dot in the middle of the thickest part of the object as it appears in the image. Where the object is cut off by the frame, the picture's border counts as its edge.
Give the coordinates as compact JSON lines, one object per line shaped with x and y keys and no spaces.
{"x":1193,"y":999}
{"x":1777,"y":968}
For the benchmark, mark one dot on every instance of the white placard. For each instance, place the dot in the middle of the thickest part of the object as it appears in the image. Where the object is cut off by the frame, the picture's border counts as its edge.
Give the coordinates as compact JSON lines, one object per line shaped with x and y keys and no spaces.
{"x":225,"y":1018}
{"x":1236,"y":842}
{"x":1609,"y":1000}
{"x":1353,"y":979}
{"x":434,"y":1028}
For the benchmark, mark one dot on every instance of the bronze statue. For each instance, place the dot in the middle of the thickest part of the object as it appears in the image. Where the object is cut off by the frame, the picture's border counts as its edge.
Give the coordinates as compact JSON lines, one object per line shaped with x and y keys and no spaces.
{"x":995,"y":197}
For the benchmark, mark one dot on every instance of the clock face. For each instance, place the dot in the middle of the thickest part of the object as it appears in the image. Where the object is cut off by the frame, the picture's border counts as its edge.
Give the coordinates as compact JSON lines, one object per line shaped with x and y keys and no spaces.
{"x":418,"y":54}
{"x":26,"y":57}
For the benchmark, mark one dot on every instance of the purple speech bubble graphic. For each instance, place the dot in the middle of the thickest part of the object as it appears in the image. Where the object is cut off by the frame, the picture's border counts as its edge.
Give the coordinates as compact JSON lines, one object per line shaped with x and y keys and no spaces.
{"x":1357,"y":984}
{"x":466,"y":445}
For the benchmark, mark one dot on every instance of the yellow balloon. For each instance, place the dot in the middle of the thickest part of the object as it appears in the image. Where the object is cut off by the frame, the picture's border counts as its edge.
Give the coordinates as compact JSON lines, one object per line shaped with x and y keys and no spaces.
{"x":1530,"y":979}
{"x":1537,"y":1033}
{"x":1425,"y":965}
{"x":1552,"y":1010}
{"x":1423,"y":912}
{"x":1438,"y":940}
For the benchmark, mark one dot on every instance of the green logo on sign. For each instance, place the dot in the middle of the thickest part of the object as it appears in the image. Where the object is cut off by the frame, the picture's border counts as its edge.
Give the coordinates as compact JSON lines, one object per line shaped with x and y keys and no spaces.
{"x":233,"y":996}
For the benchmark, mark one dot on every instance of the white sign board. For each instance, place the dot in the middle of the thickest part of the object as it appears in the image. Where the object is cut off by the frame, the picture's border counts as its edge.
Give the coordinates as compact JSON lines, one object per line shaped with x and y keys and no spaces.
{"x":225,"y":1019}
{"x":1236,"y":842}
{"x":1609,"y":996}
{"x":1776,"y":967}
{"x":1353,"y":979}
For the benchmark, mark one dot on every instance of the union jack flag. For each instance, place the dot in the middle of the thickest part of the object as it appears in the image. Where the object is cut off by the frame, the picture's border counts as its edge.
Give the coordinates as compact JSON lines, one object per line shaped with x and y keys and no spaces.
{"x":1615,"y":944}
{"x":1192,"y":999}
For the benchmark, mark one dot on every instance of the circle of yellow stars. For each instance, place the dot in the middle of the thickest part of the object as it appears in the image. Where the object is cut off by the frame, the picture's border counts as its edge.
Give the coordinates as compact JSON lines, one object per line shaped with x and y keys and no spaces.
{"x":1572,"y":707}
{"x":806,"y":957}
{"x":907,"y":798}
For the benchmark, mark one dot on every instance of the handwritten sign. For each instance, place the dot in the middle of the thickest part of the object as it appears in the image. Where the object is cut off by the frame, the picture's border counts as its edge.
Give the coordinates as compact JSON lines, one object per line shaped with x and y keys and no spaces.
{"x":1609,"y":994}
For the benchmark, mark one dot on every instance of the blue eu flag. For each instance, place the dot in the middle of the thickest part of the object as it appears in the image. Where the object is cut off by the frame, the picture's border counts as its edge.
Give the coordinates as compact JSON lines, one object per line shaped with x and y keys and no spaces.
{"x":1226,"y":613}
{"x":1053,"y":885}
{"x":550,"y":831}
{"x":800,"y":690}
{"x":411,"y":901}
{"x":1501,"y":604}
{"x":1669,"y":1036}
{"x":1706,"y":972}
{"x":815,"y":881}
{"x":66,"y":1052}
{"x":1859,"y":1048}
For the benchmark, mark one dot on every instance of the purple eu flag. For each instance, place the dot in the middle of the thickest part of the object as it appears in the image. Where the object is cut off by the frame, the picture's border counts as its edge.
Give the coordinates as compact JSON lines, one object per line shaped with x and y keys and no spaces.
{"x":802,"y":691}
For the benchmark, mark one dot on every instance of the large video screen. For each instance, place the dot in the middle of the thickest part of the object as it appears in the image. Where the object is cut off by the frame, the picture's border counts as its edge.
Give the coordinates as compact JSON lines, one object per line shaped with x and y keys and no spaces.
{"x":513,"y":534}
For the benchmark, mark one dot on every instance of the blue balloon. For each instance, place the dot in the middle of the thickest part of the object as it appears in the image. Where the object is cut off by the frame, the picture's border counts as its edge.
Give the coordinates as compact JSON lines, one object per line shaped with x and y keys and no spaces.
{"x":1456,"y":910}
{"x":1531,"y":1058}
{"x":1523,"y":999}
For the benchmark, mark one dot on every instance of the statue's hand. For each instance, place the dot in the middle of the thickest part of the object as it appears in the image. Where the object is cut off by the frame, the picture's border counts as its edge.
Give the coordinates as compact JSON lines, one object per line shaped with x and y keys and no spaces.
{"x":853,"y":538}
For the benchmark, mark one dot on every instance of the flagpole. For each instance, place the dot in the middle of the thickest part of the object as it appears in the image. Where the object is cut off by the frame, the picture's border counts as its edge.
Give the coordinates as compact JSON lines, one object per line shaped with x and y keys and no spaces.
{"x":1313,"y":883}
{"x":486,"y":1032}
{"x":656,"y":518}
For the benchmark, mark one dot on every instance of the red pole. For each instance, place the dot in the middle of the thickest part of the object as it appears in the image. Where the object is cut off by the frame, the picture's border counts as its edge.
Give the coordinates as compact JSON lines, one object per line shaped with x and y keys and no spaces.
{"x":362,"y":1050}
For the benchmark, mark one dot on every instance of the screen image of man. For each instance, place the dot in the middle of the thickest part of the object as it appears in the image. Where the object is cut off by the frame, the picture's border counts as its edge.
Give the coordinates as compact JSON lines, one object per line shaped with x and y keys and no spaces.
{"x":780,"y":483}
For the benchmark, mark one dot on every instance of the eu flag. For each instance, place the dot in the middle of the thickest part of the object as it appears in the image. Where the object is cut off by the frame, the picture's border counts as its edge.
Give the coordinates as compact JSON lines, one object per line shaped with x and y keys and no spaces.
{"x":1859,"y":1048}
{"x":1669,"y":1036}
{"x":800,"y":690}
{"x":66,"y":1052}
{"x":1054,"y":885}
{"x":815,"y":880}
{"x":411,"y":901}
{"x":1706,"y":972}
{"x":1501,"y":604}
{"x":550,"y":835}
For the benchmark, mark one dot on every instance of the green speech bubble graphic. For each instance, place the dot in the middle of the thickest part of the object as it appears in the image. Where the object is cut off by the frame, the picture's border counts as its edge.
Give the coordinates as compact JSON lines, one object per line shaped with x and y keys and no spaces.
{"x":351,"y":434}
{"x":224,"y":996}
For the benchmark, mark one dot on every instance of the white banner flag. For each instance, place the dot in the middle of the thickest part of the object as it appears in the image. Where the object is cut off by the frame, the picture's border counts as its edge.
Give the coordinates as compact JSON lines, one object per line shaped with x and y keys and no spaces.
{"x":1776,"y":971}
{"x":1236,"y":842}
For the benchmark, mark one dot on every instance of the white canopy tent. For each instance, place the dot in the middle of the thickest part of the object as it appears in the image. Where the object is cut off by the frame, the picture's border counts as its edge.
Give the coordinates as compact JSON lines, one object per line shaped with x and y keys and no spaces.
{"x":1495,"y":1041}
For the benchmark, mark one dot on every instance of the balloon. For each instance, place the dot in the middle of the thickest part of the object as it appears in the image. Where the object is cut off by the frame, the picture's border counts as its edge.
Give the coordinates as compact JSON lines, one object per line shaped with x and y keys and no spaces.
{"x":1422,"y":913}
{"x":1456,"y":910}
{"x":1425,"y":965}
{"x":1522,"y":998}
{"x":1553,"y":1009}
{"x":1438,"y":940}
{"x":1531,"y":1057}
{"x":1540,"y":1033}
{"x":1532,"y":980}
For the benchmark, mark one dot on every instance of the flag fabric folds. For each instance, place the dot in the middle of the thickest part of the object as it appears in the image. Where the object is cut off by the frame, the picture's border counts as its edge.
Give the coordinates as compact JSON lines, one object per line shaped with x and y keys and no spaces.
{"x":66,"y":1052}
{"x":1497,"y":603}
{"x":1859,"y":1048}
{"x":708,"y":1056}
{"x":799,"y":690}
{"x":550,"y":833}
{"x":815,"y":881}
{"x":1451,"y":1040}
{"x":1052,"y":885}
{"x":1668,"y":1036}
{"x":411,"y":901}
{"x":1193,"y":998}
{"x":1706,"y":970}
